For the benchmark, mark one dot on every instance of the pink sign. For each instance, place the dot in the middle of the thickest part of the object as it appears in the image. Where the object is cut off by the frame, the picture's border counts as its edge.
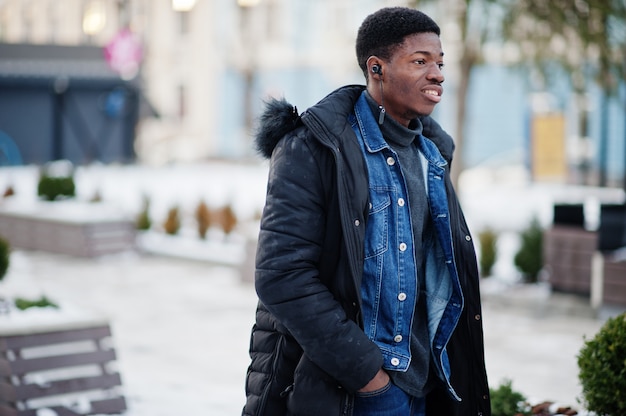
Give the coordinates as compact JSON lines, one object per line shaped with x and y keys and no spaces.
{"x":124,"y":53}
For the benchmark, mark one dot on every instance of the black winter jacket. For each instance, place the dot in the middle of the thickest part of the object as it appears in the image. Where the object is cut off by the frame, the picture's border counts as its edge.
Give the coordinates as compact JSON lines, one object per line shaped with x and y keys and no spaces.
{"x":309,"y":353}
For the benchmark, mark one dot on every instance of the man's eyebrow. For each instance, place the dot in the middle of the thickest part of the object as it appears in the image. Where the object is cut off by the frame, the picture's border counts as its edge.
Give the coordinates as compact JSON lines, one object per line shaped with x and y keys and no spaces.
{"x":426,"y":53}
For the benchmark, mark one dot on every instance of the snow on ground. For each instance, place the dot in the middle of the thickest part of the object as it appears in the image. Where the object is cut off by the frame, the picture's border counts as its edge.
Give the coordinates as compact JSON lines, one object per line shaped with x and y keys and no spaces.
{"x":181,"y":311}
{"x":180,"y":328}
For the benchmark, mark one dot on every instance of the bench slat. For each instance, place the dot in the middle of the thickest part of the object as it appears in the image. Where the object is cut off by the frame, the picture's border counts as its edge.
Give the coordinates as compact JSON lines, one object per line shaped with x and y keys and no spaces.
{"x":59,"y":411}
{"x":22,"y":366}
{"x":64,"y":411}
{"x":57,"y":337}
{"x":32,"y":391}
{"x":108,"y":406}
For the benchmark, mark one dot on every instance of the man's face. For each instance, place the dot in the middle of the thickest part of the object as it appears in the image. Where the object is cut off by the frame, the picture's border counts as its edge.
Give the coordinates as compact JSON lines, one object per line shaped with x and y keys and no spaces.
{"x":412,"y":78}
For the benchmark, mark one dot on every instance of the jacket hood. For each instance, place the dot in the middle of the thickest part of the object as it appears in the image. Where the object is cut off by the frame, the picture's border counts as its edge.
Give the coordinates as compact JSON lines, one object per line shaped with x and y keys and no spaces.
{"x":280,"y":118}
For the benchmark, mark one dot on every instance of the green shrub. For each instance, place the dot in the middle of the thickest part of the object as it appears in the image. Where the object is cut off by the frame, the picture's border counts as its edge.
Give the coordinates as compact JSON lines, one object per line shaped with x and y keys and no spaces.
{"x":602,"y":365}
{"x":529,"y":258}
{"x":97,"y":197}
{"x":172,"y":222}
{"x":488,"y":251}
{"x":507,"y":402}
{"x":42,"y":302}
{"x":143,"y":219}
{"x":52,"y":188}
{"x":5,"y":254}
{"x":203,"y":219}
{"x":8,"y":192}
{"x":227,"y":219}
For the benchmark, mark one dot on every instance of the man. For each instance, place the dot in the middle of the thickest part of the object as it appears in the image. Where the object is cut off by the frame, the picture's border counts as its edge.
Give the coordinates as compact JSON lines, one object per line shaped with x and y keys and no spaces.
{"x":365,"y":269}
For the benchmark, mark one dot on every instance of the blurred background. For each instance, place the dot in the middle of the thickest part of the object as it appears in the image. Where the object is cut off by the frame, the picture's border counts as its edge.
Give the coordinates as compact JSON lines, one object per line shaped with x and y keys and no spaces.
{"x":527,"y":83}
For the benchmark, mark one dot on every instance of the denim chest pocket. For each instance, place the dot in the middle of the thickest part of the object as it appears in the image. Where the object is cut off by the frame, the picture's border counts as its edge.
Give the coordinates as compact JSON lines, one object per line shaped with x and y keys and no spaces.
{"x":378,"y":223}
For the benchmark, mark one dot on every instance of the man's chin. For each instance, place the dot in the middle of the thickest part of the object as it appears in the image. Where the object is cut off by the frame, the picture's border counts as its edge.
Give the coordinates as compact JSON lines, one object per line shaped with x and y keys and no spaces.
{"x":425,"y":110}
{"x":425,"y":113}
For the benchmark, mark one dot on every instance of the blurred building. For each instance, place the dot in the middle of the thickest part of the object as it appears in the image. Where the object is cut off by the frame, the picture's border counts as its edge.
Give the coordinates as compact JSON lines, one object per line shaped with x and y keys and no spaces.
{"x":64,"y":102}
{"x":59,"y":98}
{"x":205,"y":67}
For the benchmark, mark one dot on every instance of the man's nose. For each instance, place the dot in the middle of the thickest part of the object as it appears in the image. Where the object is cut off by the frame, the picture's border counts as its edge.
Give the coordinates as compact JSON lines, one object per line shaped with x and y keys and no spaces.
{"x":435,"y":74}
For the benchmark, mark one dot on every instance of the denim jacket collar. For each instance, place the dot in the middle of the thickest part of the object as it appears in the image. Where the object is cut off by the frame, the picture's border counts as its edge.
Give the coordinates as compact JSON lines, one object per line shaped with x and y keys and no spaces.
{"x":375,"y":142}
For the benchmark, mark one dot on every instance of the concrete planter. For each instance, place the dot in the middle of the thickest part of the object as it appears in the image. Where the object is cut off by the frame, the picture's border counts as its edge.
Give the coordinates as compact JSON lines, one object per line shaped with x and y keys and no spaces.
{"x":67,"y":227}
{"x":574,"y":265}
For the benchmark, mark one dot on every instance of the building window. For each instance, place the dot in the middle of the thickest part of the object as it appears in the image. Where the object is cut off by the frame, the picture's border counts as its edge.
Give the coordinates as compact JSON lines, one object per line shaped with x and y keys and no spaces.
{"x":273,"y":21}
{"x":182,"y":102}
{"x":94,"y":19}
{"x":183,"y":22}
{"x":27,"y":24}
{"x":54,"y":23}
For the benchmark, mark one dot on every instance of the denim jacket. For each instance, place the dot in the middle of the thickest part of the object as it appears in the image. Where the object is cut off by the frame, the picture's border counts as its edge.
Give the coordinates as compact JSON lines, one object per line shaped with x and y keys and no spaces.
{"x":389,"y":287}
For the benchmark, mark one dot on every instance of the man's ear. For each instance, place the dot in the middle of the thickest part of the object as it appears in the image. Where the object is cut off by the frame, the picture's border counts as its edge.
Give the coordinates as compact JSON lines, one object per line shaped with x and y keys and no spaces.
{"x":374,"y":67}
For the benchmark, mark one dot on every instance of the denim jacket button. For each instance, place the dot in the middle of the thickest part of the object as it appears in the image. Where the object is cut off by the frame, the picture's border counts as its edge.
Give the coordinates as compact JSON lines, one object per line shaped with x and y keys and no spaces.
{"x":395,"y":362}
{"x":391,"y":161}
{"x":402,"y":296}
{"x":401,"y":202}
{"x":468,"y":238}
{"x":357,"y":222}
{"x":402,"y":246}
{"x":397,"y":338}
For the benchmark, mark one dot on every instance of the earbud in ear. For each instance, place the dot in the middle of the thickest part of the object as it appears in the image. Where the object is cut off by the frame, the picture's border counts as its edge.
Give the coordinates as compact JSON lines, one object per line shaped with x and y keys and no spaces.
{"x":376,"y":69}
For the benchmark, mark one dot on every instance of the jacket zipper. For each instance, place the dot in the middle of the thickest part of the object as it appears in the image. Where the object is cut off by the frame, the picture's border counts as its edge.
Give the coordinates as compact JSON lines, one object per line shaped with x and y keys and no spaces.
{"x":347,"y":406}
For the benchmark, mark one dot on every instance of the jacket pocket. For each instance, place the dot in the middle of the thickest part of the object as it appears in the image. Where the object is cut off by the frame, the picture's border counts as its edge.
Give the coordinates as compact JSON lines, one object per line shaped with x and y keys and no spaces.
{"x":377,"y":241}
{"x":314,"y":392}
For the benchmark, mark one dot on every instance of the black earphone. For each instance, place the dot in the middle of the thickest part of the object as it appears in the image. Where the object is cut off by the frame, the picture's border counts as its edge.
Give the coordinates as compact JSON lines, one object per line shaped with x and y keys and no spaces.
{"x":376,"y":69}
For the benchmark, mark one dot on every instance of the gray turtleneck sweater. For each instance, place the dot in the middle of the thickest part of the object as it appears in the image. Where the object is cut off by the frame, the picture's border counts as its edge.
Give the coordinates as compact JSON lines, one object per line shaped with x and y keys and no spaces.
{"x":402,"y":140}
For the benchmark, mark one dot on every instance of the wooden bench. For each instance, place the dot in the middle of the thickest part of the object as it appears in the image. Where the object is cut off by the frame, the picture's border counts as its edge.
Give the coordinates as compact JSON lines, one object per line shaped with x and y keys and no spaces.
{"x":67,"y":370}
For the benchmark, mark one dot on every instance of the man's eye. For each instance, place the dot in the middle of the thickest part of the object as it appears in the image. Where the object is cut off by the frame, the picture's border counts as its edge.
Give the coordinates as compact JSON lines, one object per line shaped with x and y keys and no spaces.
{"x":420,"y":61}
{"x":441,"y":65}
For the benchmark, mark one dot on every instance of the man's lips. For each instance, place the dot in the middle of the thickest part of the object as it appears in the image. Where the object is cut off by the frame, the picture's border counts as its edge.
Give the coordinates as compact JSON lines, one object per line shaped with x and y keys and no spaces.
{"x":433,"y":92}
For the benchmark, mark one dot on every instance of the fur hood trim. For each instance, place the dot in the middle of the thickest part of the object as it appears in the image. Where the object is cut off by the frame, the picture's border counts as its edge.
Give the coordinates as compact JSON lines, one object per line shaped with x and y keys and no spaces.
{"x":278,"y":119}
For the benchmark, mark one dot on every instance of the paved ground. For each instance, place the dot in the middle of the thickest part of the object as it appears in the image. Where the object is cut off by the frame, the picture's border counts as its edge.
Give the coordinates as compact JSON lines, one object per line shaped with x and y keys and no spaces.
{"x":533,"y":337}
{"x":181,"y":329}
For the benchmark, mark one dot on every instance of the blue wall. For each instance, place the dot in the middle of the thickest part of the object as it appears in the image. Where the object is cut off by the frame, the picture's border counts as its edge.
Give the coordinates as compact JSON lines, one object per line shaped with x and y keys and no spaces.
{"x":497,"y":114}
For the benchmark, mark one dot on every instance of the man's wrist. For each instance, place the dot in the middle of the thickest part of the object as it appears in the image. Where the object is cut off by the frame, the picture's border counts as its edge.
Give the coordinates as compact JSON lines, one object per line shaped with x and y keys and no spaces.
{"x":380,"y":380}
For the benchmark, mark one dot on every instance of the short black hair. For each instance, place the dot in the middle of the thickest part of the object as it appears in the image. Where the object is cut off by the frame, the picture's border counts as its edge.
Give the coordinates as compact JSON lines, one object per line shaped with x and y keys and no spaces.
{"x":383,"y":31}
